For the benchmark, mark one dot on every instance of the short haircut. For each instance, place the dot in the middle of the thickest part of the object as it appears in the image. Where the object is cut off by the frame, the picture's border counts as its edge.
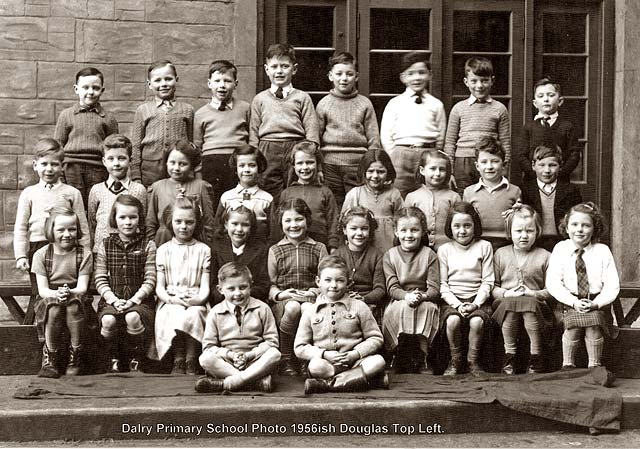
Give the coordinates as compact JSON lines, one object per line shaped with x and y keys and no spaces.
{"x":310,"y":148}
{"x":223,"y":66}
{"x":478,"y":66}
{"x":296,"y":204}
{"x":190,"y":151}
{"x":414,"y":57}
{"x":187,"y":204}
{"x":90,"y":71}
{"x":463,"y":207}
{"x":434,"y":154}
{"x":159,"y":64}
{"x":545,"y":82}
{"x":335,"y":262}
{"x":358,"y":211}
{"x":343,"y":57}
{"x":124,"y":199}
{"x":116,"y":141}
{"x":48,"y":147}
{"x":281,"y":51}
{"x":545,"y":151}
{"x":238,"y":209}
{"x":234,"y":270}
{"x":593,"y":211}
{"x":59,"y":211}
{"x":520,"y":210}
{"x":248,"y":150}
{"x":491,"y":145}
{"x":375,"y":155}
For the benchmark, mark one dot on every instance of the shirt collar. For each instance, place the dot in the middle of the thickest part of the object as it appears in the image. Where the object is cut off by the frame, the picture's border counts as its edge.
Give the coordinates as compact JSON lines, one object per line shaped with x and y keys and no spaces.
{"x":125,"y":182}
{"x":542,"y":184}
{"x":159,"y":102}
{"x":481,"y":185}
{"x":239,"y":250}
{"x":552,"y":118}
{"x":322,"y":302}
{"x":189,"y":243}
{"x":97,"y":108}
{"x":471,"y":100}
{"x":574,"y":247}
{"x":286,"y":90}
{"x":228,"y":307}
{"x":315,"y":182}
{"x":252,"y":190}
{"x":286,"y":241}
{"x":43,"y":184}
{"x":411,"y":93}
{"x":215,"y":103}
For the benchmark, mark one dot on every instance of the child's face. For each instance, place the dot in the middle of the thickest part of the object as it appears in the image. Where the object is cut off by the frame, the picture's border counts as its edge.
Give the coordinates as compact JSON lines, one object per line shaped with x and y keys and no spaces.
{"x":48,"y":168}
{"x":304,"y":166}
{"x":489,"y":166}
{"x":116,"y":161}
{"x":479,"y":86}
{"x":127,"y":220}
{"x":546,"y":169}
{"x":88,"y":89}
{"x":280,"y":70}
{"x":375,"y":176}
{"x":162,"y":82}
{"x":184,"y":224}
{"x":238,"y":228}
{"x":416,"y":77}
{"x":462,"y":228}
{"x":332,"y":283}
{"x":409,"y":233}
{"x":523,"y":232}
{"x":434,"y":171}
{"x":546,"y":99}
{"x":178,"y":166}
{"x":294,"y":225}
{"x":65,"y":231}
{"x":247,"y":170}
{"x":222,"y":85}
{"x":580,"y":228}
{"x":236,"y":290}
{"x":357,"y":232}
{"x":344,"y":78}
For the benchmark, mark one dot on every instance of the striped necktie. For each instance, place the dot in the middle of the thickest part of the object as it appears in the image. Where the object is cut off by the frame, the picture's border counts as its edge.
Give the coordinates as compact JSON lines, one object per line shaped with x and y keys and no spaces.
{"x":583,"y":278}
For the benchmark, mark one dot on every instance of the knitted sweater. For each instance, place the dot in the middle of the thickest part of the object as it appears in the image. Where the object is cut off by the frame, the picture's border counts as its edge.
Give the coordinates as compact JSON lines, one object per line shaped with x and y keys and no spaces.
{"x":155,"y":130}
{"x":470,"y":122}
{"x":216,"y":132}
{"x":491,"y":204}
{"x":290,"y":118}
{"x":347,"y":123}
{"x":81,"y":133}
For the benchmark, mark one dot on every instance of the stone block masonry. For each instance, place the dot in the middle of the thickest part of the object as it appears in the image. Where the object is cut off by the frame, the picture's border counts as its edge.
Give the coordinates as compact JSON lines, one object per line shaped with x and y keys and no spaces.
{"x":43,"y":43}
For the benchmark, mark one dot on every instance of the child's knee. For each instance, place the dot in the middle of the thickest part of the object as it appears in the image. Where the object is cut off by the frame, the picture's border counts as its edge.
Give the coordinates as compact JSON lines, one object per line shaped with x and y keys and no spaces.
{"x":74,"y":311}
{"x":271,"y":356}
{"x":211,"y":362}
{"x":133,"y":320}
{"x":453,"y":323}
{"x":292,"y":309}
{"x":593,"y":333}
{"x":108,"y":324}
{"x":573,"y":334}
{"x":476,"y":324}
{"x":55,"y":313}
{"x":320,"y":368}
{"x":373,"y":364}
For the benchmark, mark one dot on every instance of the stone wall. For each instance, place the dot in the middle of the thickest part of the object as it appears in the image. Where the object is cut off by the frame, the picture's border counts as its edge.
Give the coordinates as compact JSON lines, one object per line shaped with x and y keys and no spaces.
{"x":43,"y":43}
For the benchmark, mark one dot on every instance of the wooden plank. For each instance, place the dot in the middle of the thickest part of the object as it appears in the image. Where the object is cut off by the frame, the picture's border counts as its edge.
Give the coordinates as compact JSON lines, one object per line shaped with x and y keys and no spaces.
{"x":619,"y":313}
{"x":14,"y":309}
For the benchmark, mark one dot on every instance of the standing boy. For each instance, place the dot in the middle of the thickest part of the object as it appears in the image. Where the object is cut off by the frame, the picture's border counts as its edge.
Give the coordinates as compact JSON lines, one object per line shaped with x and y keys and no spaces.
{"x":339,"y":336}
{"x":221,"y":126}
{"x":81,"y":129}
{"x":550,"y":195}
{"x":348,"y":126}
{"x":493,"y":194}
{"x":412,"y":121}
{"x":550,"y":129}
{"x":116,"y":154}
{"x":240,"y":343}
{"x":280,"y":116}
{"x":471,"y":119}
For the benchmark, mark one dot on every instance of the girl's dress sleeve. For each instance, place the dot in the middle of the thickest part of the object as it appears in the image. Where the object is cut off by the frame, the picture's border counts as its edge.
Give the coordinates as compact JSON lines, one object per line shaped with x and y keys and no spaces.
{"x":445,"y":291}
{"x":148,"y":285}
{"x":433,"y":277}
{"x":396,"y":292}
{"x":377,"y":294}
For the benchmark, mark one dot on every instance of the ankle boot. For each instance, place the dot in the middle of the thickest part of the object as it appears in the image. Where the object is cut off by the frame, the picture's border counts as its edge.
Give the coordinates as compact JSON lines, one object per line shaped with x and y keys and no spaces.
{"x":423,"y":365}
{"x":73,"y":367}
{"x":508,"y":367}
{"x":287,"y":365}
{"x":110,"y":348}
{"x":136,"y":349}
{"x":535,"y":364}
{"x":208,"y":384}
{"x":264,"y":384}
{"x":474,"y":367}
{"x":49,"y":363}
{"x":351,"y":380}
{"x":454,"y":367}
{"x":313,"y":385}
{"x":380,"y":381}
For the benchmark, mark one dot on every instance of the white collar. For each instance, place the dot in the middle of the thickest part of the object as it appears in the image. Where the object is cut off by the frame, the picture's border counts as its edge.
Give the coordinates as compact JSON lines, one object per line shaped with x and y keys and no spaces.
{"x":215,"y":103}
{"x":43,"y":184}
{"x":239,"y":250}
{"x":125,"y":182}
{"x":473,"y":99}
{"x":481,"y":185}
{"x":542,"y":184}
{"x":286,"y":90}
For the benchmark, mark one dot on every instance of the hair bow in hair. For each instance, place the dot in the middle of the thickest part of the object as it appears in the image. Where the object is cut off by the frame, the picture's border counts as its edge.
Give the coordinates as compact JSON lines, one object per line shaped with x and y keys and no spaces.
{"x":517,"y":206}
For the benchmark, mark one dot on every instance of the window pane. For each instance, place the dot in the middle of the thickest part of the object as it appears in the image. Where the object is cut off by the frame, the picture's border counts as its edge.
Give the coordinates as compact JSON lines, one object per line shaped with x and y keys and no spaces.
{"x":564,"y":33}
{"x":382,"y":78}
{"x":574,"y":110}
{"x":400,"y":29}
{"x":312,"y":70}
{"x":500,"y":71}
{"x":486,"y":31}
{"x":310,"y":26}
{"x":569,"y":71}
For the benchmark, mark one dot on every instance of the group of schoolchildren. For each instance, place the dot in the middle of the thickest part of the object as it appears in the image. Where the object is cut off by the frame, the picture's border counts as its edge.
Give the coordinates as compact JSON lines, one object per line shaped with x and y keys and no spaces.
{"x":380,"y":240}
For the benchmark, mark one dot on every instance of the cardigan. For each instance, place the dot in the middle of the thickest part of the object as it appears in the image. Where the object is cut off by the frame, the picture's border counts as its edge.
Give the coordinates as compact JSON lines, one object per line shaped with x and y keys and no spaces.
{"x":366,"y":273}
{"x":406,"y":271}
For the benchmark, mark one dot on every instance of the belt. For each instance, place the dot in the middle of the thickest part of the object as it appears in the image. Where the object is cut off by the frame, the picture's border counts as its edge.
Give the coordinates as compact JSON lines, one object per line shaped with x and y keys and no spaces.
{"x":425,"y":145}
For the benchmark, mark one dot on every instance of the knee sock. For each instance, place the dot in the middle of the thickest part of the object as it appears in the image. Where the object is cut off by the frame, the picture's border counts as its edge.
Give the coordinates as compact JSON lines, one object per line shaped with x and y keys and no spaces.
{"x":52,"y":337}
{"x":288,"y":325}
{"x":136,"y":331}
{"x":509,"y":334}
{"x":455,"y":352}
{"x":594,"y":350}
{"x":568,"y":350}
{"x":472,"y":354}
{"x":533,"y":331}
